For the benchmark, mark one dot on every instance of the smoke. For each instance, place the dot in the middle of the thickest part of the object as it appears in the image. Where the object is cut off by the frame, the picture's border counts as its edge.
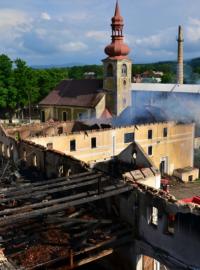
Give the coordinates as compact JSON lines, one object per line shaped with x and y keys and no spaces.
{"x":154,"y":106}
{"x":180,"y":107}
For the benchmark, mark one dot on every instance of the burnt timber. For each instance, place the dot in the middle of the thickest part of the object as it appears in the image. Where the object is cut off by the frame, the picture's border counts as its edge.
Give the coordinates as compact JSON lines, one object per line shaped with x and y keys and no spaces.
{"x":71,"y":221}
{"x":61,"y":217}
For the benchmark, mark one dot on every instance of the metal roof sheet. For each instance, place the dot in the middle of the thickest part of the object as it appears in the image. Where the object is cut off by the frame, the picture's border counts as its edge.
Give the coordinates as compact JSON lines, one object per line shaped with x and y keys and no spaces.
{"x":160,"y":87}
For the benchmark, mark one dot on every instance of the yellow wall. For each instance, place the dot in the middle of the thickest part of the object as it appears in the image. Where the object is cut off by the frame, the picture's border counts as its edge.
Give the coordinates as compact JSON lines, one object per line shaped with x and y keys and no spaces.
{"x":100,"y":107}
{"x":177,"y":146}
{"x":119,"y":94}
{"x":56,"y":113}
{"x":184,"y":175}
{"x":72,"y":113}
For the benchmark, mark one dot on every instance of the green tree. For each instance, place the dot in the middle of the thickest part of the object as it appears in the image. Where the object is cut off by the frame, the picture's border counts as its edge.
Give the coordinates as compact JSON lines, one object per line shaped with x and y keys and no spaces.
{"x":8,"y":92}
{"x":167,"y":78}
{"x":5,"y":71}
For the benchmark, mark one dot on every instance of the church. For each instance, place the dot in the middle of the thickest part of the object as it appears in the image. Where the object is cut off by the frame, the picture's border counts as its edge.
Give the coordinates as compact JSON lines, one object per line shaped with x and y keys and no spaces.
{"x":94,"y":98}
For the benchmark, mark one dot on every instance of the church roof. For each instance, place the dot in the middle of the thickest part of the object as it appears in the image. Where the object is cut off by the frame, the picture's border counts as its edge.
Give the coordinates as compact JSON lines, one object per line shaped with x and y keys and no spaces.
{"x":77,"y":93}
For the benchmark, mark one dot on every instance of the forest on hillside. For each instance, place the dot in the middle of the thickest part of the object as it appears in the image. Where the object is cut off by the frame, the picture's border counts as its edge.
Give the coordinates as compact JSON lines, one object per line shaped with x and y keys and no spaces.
{"x":22,"y":86}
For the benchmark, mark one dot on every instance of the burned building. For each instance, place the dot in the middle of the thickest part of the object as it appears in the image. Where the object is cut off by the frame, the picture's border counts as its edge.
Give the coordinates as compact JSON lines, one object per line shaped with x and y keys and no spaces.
{"x":163,"y":142}
{"x":73,"y":192}
{"x":67,"y":222}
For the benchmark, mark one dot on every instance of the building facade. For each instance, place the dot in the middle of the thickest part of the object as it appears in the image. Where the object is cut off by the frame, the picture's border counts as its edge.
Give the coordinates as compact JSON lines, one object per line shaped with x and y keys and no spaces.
{"x":164,"y":143}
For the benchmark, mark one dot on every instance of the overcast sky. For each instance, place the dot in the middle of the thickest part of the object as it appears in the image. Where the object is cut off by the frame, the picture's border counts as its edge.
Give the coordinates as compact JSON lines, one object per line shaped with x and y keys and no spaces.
{"x":76,"y":31}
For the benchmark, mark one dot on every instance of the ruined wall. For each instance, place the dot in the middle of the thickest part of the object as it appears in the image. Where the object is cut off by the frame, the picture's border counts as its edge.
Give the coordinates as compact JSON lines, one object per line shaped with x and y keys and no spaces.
{"x":33,"y":157}
{"x":167,"y":230}
{"x":8,"y":146}
{"x":142,"y":160}
{"x":176,"y":147}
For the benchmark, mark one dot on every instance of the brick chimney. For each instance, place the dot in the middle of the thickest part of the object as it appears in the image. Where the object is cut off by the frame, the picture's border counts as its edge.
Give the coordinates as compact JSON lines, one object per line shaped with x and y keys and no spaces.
{"x":180,"y":41}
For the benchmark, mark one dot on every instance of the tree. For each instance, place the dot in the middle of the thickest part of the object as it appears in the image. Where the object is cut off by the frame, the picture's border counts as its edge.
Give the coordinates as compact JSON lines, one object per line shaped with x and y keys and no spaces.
{"x":5,"y":71}
{"x":167,"y":78}
{"x":8,"y":92}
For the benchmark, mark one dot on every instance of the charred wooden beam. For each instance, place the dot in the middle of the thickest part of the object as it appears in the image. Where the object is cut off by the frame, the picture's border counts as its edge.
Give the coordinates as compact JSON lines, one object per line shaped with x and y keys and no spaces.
{"x":39,"y":194}
{"x":115,"y":190}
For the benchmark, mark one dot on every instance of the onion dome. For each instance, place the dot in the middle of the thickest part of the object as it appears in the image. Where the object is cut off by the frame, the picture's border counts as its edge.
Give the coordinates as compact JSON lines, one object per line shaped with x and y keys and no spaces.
{"x":117,"y":49}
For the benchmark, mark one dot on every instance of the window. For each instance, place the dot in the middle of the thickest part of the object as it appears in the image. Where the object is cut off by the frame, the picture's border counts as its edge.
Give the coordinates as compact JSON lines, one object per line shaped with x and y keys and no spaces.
{"x":64,"y":116}
{"x":73,"y":145}
{"x":35,"y":161}
{"x":43,"y":116}
{"x":49,"y":146}
{"x":93,"y":143}
{"x":109,"y":70}
{"x":60,"y":130}
{"x":24,"y":155}
{"x":129,"y":137}
{"x":80,"y":116}
{"x":153,"y":217}
{"x":60,"y":171}
{"x":150,"y":134}
{"x":171,"y":219}
{"x":190,"y":178}
{"x":165,"y":132}
{"x":3,"y":149}
{"x":8,"y":151}
{"x":11,"y":149}
{"x":124,"y":70}
{"x":150,"y":150}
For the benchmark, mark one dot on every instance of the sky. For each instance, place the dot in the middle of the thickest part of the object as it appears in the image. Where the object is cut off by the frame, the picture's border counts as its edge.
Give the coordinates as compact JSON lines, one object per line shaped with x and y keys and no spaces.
{"x":56,"y":32}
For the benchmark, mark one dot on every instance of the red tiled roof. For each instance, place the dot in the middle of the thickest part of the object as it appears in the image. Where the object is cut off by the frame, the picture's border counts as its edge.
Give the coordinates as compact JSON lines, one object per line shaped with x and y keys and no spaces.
{"x":79,"y":93}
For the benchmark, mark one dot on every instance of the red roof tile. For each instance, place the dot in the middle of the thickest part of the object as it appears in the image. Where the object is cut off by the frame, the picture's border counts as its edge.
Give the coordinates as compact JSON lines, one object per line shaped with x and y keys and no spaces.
{"x":79,"y":93}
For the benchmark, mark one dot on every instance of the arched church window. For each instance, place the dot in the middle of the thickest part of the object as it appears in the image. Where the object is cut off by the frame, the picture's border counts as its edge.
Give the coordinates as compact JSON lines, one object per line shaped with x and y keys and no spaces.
{"x":124,"y":70}
{"x":110,"y":70}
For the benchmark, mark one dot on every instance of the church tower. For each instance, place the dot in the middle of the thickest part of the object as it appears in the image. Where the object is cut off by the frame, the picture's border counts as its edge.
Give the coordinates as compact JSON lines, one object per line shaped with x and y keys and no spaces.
{"x":117,"y":68}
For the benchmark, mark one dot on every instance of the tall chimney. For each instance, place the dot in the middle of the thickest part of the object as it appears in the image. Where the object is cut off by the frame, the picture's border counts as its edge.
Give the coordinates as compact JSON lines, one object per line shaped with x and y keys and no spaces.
{"x":180,"y":41}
